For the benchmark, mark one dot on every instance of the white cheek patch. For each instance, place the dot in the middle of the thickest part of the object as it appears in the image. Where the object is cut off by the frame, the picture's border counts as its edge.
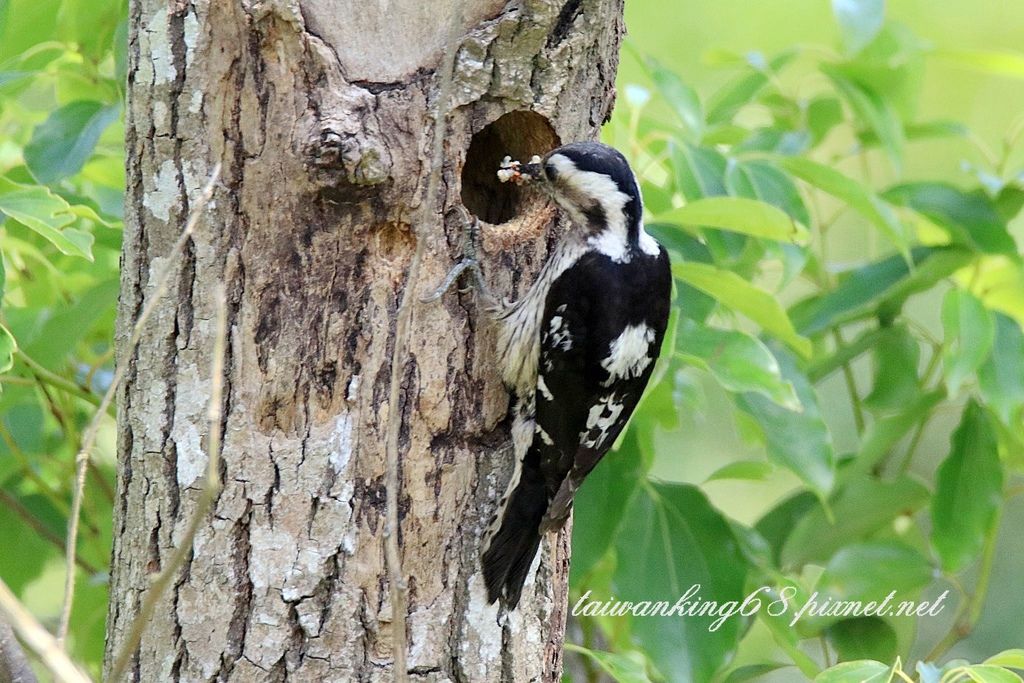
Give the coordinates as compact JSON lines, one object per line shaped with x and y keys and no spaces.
{"x":612,"y":242}
{"x":591,"y":184}
{"x":629,"y":354}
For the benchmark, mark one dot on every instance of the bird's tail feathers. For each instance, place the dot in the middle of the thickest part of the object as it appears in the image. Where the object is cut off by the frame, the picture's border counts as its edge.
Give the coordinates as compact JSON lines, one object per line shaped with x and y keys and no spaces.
{"x":510,"y":551}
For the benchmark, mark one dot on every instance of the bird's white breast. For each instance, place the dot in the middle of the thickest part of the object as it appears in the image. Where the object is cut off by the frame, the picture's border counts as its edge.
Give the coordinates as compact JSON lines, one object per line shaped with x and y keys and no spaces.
{"x":519,"y":335}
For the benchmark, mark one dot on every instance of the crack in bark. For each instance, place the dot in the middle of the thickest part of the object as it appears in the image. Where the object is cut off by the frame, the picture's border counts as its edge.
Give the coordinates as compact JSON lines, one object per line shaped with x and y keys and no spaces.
{"x":238,"y":627}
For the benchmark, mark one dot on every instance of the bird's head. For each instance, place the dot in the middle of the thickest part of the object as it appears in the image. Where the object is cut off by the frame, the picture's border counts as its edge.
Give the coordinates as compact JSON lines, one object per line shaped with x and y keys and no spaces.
{"x":592,"y":182}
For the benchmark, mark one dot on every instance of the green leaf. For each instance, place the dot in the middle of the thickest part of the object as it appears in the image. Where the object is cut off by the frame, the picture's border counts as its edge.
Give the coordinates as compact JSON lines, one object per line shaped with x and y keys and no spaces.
{"x":91,"y":24}
{"x":874,"y":111}
{"x":983,"y":673}
{"x":628,"y":667}
{"x":895,"y":379}
{"x":863,"y":638}
{"x":751,"y":470}
{"x":970,"y":329}
{"x":752,"y":672}
{"x":1010,"y":659}
{"x":738,"y":361}
{"x":859,"y":21}
{"x":823,"y":114}
{"x":42,"y":211}
{"x":859,"y":198}
{"x":884,"y":433}
{"x":797,"y":440}
{"x":691,"y":303}
{"x":698,"y":171}
{"x":1000,"y":63}
{"x":685,"y":542}
{"x":737,"y":294}
{"x":601,"y":503}
{"x":775,"y":140}
{"x":746,"y":216}
{"x":1001,"y":377}
{"x":682,"y":99}
{"x":761,"y":180}
{"x":892,"y":67}
{"x":8,"y":346}
{"x":66,"y":326}
{"x":1009,"y":202}
{"x":777,"y":524}
{"x":883,"y":284}
{"x":21,"y":568}
{"x":62,"y":144}
{"x":970,"y":218}
{"x":862,"y":508}
{"x":968,"y":491}
{"x":780,"y":627}
{"x":871,"y":570}
{"x":28,"y":23}
{"x":861,"y":671}
{"x":727,"y":101}
{"x":87,"y":619}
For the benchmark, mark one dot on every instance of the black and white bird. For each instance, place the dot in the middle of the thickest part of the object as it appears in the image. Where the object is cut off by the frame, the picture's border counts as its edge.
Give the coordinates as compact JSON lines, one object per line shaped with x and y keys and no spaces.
{"x":577,"y":350}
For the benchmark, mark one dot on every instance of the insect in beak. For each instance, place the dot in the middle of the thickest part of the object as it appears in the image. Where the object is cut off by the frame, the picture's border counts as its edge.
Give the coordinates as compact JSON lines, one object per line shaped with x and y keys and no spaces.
{"x":520,"y":173}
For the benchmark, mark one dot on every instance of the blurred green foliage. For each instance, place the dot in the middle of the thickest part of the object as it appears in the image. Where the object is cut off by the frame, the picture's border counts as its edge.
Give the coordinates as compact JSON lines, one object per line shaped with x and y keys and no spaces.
{"x":61,"y":189}
{"x":842,"y":308}
{"x":804,"y":249}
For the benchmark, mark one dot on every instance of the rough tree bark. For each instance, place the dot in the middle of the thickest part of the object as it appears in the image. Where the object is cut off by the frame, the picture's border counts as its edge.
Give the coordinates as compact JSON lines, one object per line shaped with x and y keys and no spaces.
{"x":320,"y":113}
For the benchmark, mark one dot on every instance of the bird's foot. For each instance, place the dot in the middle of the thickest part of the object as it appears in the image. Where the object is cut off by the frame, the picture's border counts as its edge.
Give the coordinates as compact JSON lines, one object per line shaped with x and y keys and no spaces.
{"x":468,"y":262}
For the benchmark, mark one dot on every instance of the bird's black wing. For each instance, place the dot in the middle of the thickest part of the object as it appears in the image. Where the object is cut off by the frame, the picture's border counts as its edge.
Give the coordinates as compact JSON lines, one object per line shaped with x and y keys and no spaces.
{"x":600,"y":336}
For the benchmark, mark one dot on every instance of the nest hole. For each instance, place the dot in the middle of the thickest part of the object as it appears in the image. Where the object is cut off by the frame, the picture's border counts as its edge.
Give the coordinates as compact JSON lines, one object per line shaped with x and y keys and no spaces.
{"x":519,"y":134}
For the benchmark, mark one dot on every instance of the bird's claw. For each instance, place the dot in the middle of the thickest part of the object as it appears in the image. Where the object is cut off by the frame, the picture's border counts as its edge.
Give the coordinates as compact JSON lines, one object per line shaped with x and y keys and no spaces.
{"x":467,"y":263}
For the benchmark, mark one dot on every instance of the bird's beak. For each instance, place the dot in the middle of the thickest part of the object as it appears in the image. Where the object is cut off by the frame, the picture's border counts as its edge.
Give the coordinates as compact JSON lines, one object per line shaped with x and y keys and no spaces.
{"x":534,"y":169}
{"x":519,"y":173}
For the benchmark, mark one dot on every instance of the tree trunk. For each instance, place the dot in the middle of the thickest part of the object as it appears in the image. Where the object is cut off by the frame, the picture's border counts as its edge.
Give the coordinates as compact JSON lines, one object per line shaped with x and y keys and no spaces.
{"x":322,"y":119}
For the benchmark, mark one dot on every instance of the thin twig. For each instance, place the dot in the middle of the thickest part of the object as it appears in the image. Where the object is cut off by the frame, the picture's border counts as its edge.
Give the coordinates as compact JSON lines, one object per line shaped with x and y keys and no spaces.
{"x":207,"y":497}
{"x":392,"y":550}
{"x":926,"y":379}
{"x":37,"y":639}
{"x":160,"y":283}
{"x":851,"y":385}
{"x":42,"y":374}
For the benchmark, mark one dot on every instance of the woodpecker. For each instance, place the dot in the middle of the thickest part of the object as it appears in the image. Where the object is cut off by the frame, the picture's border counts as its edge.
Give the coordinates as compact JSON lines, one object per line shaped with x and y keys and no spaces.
{"x":577,"y":349}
